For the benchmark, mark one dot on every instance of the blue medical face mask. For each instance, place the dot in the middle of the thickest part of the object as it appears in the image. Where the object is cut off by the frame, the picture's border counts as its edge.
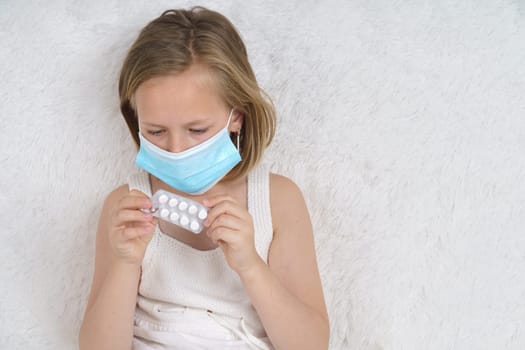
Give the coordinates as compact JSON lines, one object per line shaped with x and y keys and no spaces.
{"x":195,"y":170}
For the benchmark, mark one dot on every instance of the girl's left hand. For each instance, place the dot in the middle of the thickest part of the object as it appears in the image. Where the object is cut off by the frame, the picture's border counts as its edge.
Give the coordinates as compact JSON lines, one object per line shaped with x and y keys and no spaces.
{"x":231,"y":227}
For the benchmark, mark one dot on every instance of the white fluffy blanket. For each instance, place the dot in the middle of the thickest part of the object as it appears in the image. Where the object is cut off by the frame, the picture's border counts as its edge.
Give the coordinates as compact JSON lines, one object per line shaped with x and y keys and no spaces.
{"x":402,"y":121}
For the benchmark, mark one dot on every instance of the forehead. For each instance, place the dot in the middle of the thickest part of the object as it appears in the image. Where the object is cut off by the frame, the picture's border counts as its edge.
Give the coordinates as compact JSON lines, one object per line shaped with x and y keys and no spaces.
{"x":181,"y":95}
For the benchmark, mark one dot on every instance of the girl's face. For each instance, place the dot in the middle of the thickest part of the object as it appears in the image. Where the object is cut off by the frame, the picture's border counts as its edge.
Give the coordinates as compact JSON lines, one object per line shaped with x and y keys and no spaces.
{"x":177,"y":112}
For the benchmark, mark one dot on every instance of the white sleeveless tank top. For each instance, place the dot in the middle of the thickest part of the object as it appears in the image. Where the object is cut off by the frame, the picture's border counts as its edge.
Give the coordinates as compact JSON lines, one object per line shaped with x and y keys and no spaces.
{"x":176,"y":275}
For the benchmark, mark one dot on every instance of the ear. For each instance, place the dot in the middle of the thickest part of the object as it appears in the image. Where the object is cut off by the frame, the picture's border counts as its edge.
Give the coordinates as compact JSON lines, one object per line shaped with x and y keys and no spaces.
{"x":237,"y":121}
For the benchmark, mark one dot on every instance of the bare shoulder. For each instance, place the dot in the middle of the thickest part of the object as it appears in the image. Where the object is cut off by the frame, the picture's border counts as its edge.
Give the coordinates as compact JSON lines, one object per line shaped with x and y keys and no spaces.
{"x":287,"y":202}
{"x":284,"y":188}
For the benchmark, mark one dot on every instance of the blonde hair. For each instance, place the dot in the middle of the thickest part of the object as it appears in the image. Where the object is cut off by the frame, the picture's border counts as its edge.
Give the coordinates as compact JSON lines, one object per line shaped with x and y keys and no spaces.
{"x":179,"y":38}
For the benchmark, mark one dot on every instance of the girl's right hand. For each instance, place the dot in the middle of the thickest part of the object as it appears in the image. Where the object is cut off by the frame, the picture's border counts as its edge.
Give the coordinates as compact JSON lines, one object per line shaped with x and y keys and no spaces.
{"x":131,"y":229}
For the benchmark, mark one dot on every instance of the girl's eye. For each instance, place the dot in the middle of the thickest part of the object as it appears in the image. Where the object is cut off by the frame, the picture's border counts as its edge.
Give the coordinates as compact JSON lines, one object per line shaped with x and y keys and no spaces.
{"x":198,"y":131}
{"x":155,"y":132}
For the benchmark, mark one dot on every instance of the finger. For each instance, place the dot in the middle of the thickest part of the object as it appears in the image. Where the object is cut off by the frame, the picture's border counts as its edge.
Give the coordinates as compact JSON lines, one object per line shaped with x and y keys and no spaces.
{"x":223,"y":234}
{"x":137,"y":231}
{"x":127,"y":215}
{"x":225,"y":207}
{"x":226,"y":221}
{"x":135,"y":200}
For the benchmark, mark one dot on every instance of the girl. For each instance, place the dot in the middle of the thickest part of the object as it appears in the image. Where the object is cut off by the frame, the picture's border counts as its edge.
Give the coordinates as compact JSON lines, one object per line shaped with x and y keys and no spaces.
{"x":249,"y":280}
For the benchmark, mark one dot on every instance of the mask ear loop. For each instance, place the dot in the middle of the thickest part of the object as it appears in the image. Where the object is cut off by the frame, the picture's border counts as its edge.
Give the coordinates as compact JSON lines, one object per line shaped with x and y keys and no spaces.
{"x":238,"y":132}
{"x":238,"y":140}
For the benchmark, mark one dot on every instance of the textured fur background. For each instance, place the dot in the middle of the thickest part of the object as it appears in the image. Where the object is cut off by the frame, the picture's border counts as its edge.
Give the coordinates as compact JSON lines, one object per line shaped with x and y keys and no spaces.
{"x":402,"y":121}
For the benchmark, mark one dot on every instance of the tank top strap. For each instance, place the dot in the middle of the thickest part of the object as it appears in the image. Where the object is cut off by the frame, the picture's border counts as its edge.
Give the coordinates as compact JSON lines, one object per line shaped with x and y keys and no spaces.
{"x":259,"y":208}
{"x":140,"y":181}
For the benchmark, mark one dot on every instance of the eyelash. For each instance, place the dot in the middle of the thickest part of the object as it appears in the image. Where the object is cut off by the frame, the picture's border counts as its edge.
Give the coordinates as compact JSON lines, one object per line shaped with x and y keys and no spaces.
{"x":198,"y":131}
{"x":155,"y":132}
{"x":158,"y":132}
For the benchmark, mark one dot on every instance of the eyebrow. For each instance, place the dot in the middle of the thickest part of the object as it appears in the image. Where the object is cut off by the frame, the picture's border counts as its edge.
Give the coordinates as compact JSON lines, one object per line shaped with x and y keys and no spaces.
{"x":194,"y":122}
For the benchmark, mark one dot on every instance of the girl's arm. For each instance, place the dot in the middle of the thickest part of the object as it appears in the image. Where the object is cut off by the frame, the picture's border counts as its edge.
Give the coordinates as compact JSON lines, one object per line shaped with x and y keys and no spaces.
{"x":287,"y":292}
{"x":108,"y":320}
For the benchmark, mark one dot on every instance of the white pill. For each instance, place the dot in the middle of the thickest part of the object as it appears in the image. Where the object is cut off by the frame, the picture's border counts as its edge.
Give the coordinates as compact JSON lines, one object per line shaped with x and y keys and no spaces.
{"x":164,"y":212}
{"x":173,"y":202}
{"x":183,"y":206}
{"x":163,"y":198}
{"x":203,"y":214}
{"x":194,"y":226}
{"x":174,"y":217}
{"x":184,"y":221}
{"x":192,"y":209}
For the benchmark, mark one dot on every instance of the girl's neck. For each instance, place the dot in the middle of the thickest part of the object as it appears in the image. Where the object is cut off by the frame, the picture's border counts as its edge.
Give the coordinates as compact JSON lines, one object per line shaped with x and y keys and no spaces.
{"x":221,"y":188}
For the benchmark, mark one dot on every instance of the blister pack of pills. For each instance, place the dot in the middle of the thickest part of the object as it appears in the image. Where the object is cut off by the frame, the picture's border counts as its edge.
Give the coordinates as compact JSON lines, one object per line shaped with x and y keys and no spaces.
{"x":178,"y":210}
